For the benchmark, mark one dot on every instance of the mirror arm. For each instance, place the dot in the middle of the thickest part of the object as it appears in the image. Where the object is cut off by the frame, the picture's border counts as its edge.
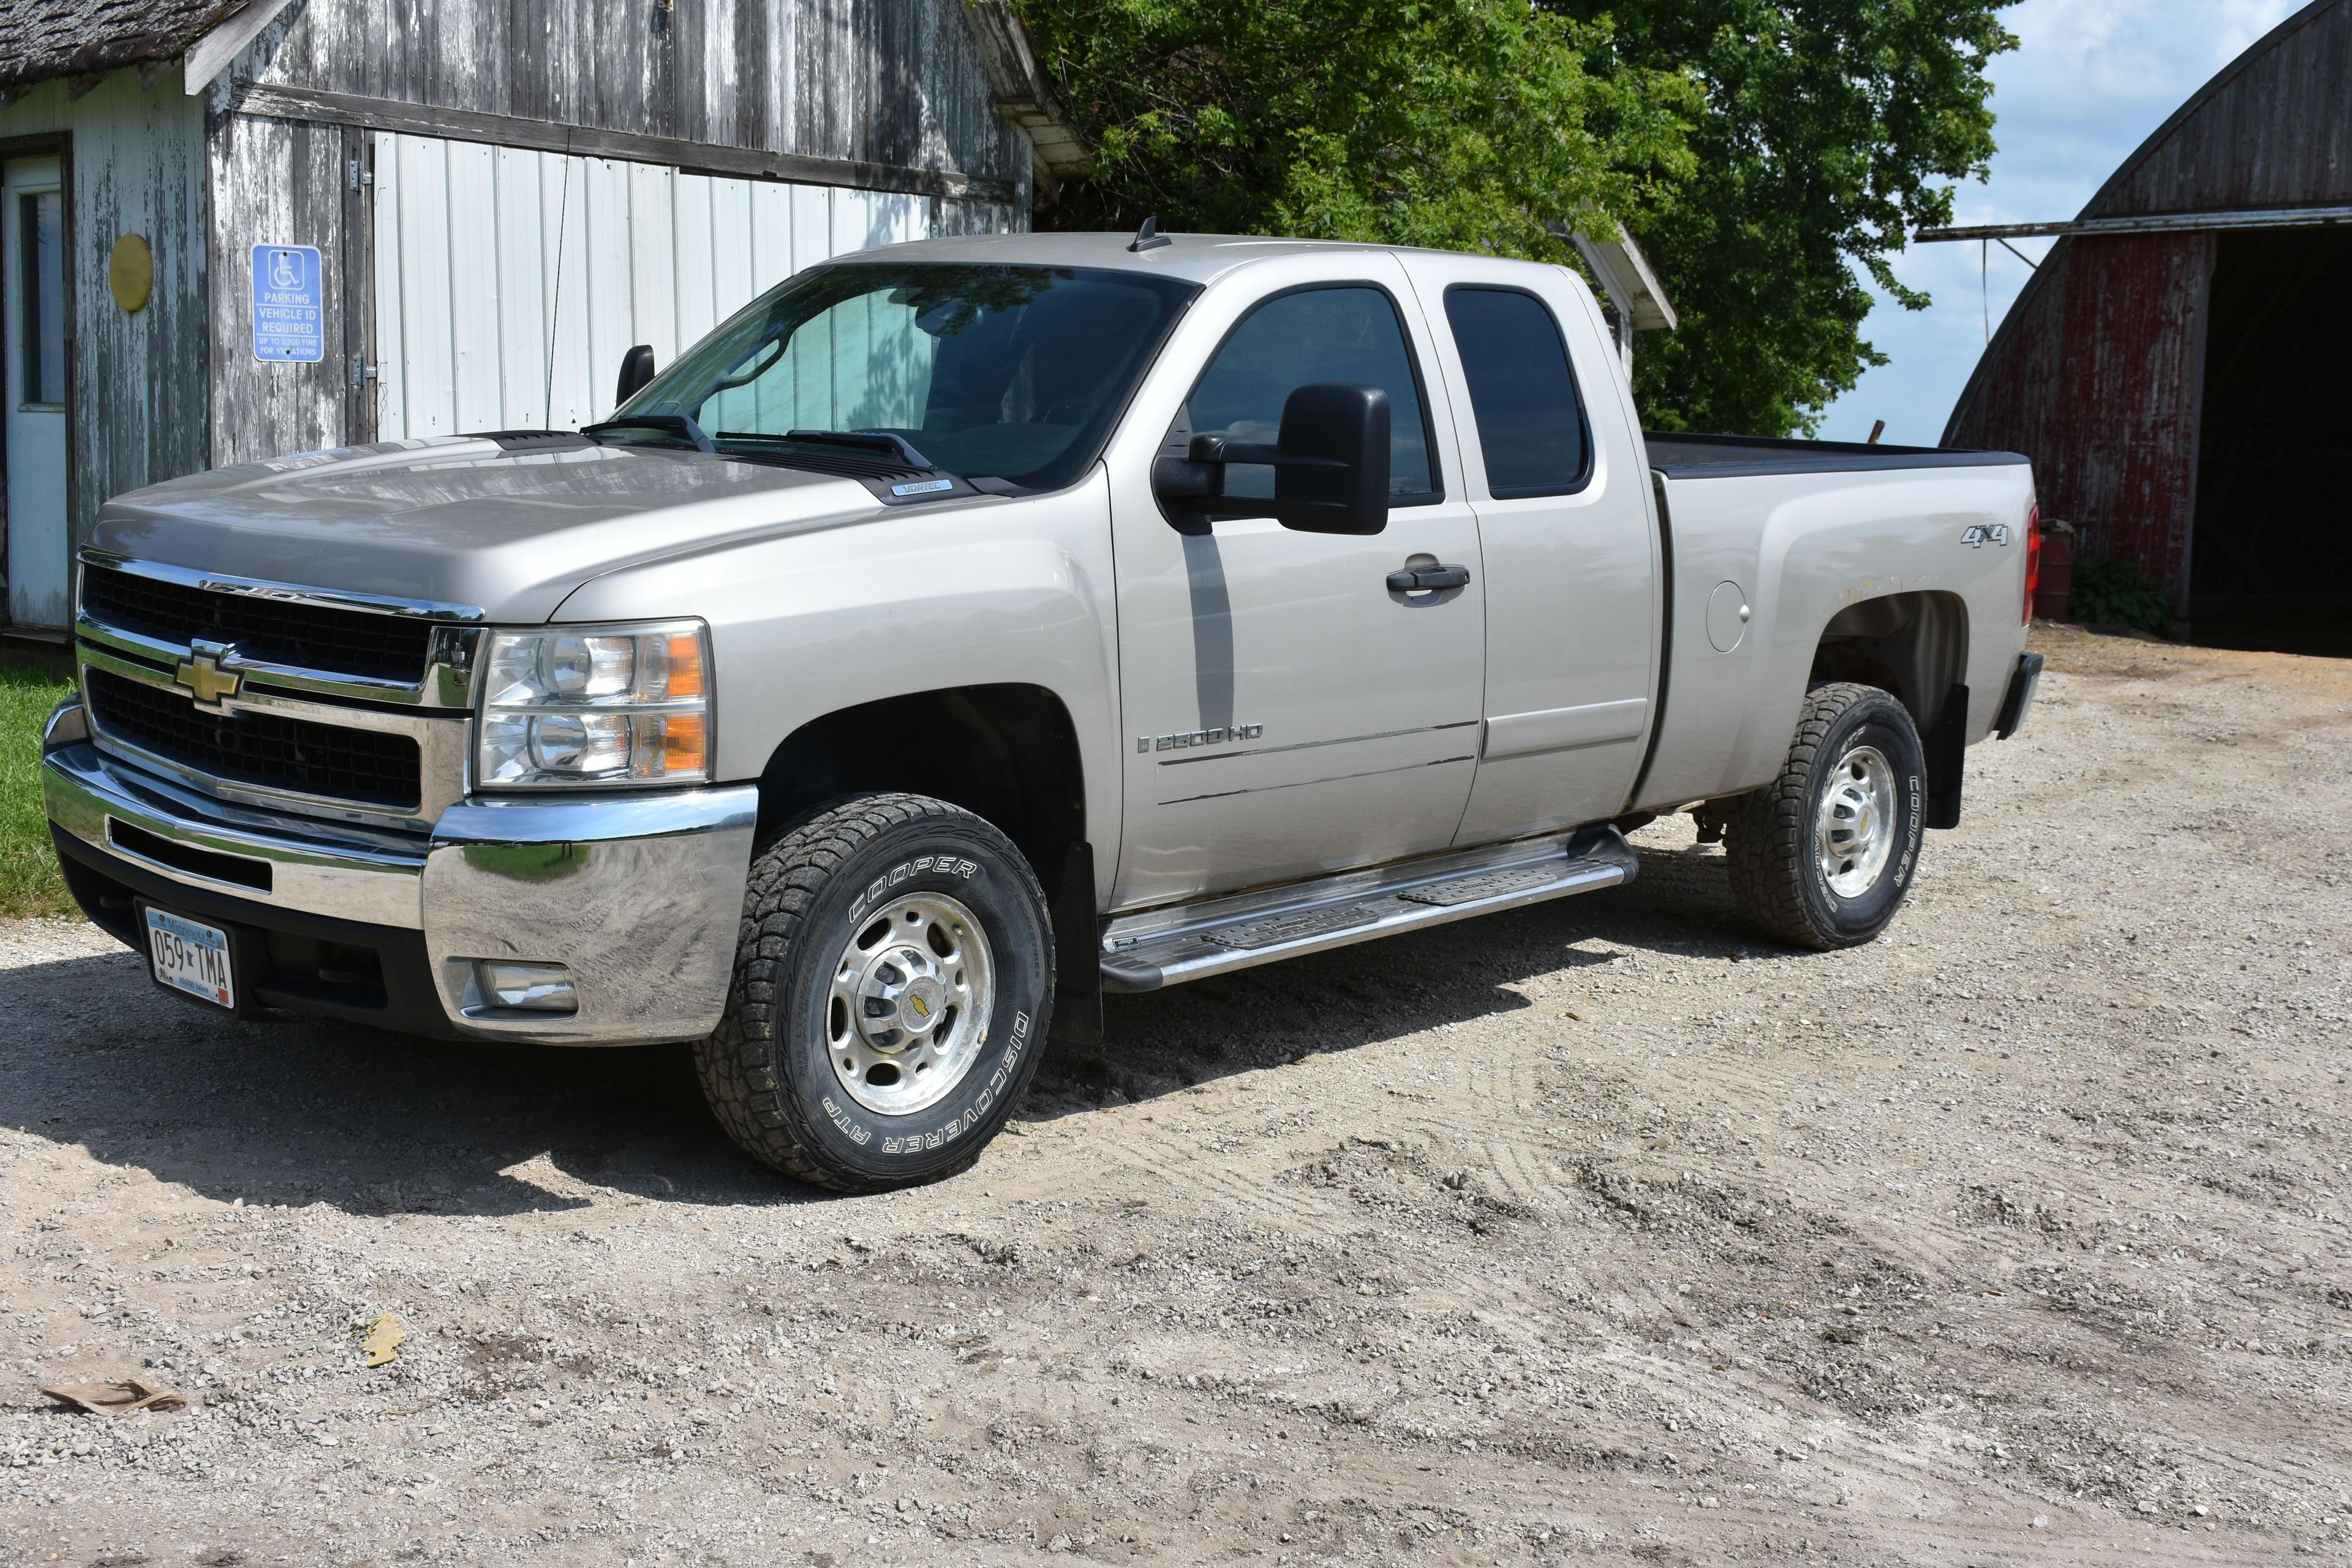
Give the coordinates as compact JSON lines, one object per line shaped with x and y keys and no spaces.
{"x":1217,"y":450}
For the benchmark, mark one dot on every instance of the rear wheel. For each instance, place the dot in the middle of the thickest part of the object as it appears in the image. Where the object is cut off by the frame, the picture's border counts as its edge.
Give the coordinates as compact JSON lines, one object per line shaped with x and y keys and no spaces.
{"x":1823,"y":856}
{"x":893,"y":981}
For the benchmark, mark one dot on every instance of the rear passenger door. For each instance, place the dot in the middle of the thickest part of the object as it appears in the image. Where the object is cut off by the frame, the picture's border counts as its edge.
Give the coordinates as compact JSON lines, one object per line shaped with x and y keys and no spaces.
{"x":1558,"y":481}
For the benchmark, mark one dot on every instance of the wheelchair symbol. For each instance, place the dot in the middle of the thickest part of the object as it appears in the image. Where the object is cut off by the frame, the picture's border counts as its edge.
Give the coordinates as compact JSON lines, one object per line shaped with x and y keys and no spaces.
{"x":285,"y":272}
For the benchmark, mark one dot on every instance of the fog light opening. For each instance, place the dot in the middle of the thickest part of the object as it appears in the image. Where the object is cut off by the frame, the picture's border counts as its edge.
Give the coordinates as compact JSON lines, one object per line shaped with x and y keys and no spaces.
{"x":526,"y":987}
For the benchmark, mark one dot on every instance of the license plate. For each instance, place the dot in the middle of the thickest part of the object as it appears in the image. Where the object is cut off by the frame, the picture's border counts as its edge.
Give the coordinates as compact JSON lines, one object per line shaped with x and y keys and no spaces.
{"x":191,"y":957}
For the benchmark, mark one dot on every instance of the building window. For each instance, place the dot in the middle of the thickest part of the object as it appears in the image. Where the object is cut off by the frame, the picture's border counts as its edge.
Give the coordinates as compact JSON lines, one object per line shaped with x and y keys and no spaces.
{"x":41,"y":327}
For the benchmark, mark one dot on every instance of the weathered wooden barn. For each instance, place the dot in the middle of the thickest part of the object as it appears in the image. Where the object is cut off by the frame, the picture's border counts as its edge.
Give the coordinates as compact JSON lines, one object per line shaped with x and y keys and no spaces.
{"x":2179,"y":365}
{"x":235,"y":228}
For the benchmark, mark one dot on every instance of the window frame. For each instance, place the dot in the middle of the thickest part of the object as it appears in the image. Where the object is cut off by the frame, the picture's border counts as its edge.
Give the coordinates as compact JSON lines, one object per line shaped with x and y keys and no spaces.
{"x":1435,"y":494}
{"x":1583,"y":480}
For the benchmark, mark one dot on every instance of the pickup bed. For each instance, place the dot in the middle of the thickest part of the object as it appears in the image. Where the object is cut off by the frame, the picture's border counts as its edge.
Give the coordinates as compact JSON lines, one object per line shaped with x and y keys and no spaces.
{"x":969,"y":627}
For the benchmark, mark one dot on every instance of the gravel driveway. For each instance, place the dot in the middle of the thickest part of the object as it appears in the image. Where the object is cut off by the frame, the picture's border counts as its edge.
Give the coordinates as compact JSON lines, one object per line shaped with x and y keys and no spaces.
{"x":1595,"y":1232}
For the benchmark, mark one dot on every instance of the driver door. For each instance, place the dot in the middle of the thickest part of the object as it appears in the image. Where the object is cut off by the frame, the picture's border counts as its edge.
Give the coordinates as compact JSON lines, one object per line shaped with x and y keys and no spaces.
{"x":1287,"y":713}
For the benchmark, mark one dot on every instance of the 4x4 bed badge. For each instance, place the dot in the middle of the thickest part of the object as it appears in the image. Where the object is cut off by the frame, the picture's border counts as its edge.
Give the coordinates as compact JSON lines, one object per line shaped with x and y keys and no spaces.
{"x":1977,"y":535}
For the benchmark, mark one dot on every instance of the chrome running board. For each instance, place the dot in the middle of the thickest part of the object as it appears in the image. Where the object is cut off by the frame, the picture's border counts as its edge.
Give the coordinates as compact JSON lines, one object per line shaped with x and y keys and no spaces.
{"x":1168,"y":946}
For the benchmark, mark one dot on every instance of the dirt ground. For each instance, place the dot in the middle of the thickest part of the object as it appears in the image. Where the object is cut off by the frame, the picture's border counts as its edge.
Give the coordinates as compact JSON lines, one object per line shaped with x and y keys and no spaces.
{"x":1596,"y":1231}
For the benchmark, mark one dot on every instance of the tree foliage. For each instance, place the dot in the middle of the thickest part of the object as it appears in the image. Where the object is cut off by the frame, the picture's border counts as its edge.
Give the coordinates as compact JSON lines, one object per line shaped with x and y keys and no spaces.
{"x":1461,"y":123}
{"x":1761,"y":150}
{"x":1832,"y":129}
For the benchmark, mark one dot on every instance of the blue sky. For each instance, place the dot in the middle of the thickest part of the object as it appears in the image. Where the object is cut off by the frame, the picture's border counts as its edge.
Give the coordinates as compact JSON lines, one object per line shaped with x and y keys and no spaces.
{"x":2089,"y":80}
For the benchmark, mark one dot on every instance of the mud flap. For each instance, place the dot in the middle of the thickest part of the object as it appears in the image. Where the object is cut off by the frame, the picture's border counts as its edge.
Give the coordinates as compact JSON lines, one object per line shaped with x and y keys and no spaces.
{"x":1947,"y":748}
{"x":1077,"y":954}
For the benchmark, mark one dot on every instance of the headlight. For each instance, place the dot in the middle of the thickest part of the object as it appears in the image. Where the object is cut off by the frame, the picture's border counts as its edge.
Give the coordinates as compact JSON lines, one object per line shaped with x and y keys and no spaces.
{"x":596,"y":705}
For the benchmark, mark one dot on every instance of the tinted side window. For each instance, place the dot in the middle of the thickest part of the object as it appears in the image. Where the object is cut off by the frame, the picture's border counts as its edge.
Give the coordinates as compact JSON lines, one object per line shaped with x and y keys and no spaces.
{"x":1318,"y":334}
{"x":1530,"y":422}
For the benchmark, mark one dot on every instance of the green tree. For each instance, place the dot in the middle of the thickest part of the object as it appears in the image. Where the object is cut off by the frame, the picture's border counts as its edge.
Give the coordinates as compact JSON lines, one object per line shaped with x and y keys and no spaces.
{"x":1761,"y":150}
{"x":1462,"y":124}
{"x":1832,"y":129}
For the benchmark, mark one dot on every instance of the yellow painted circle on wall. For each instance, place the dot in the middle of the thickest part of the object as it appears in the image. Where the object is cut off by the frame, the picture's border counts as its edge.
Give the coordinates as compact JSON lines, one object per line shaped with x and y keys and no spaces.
{"x":131,"y":272}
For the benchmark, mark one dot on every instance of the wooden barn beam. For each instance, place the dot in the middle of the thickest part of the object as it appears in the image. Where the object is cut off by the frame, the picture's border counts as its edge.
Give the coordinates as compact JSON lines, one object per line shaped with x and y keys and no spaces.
{"x":586,"y":142}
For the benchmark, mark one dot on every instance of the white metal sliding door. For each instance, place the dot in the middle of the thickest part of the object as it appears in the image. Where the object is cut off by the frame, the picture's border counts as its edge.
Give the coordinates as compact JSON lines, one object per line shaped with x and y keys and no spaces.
{"x":509,"y":283}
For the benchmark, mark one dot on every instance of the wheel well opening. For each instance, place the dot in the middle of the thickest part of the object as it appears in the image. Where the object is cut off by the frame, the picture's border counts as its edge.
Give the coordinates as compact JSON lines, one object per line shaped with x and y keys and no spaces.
{"x":1006,"y":752}
{"x":1912,"y":644}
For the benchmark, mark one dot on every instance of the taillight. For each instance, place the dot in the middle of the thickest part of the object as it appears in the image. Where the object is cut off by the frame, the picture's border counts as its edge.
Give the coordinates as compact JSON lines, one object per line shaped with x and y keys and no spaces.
{"x":2032,"y":558}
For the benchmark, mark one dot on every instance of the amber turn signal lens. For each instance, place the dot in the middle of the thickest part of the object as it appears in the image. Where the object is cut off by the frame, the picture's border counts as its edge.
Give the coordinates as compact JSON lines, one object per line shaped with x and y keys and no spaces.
{"x":685,"y":745}
{"x":685,"y":665}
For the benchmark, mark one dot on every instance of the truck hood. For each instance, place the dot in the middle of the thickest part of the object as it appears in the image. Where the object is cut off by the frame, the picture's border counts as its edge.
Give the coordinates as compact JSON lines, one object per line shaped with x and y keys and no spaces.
{"x":464,"y":519}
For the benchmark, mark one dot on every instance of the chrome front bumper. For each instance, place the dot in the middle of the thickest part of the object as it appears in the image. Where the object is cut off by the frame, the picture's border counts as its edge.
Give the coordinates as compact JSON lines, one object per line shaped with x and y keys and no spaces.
{"x":638,"y":895}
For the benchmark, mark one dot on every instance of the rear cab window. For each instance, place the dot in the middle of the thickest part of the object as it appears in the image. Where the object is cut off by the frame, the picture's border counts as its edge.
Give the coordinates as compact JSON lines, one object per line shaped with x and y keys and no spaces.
{"x":1532,"y":430}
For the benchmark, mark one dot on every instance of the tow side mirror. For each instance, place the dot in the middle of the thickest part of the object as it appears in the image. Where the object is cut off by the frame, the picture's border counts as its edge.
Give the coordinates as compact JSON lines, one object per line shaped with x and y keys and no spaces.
{"x":636,"y":369}
{"x":1330,"y":466}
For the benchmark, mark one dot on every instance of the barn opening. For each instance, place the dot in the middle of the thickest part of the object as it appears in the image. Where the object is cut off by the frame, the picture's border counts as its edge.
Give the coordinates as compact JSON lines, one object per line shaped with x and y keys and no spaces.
{"x":2270,"y":562}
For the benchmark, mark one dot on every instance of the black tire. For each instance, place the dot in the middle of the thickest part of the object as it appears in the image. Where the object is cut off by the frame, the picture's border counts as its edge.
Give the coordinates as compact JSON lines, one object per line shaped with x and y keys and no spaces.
{"x":1777,"y":875}
{"x":766,"y":1070}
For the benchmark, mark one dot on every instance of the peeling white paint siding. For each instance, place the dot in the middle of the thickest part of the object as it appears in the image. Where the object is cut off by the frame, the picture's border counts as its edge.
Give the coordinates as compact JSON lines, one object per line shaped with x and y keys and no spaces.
{"x":493,"y":265}
{"x":138,"y":381}
{"x":274,"y":181}
{"x":887,"y":81}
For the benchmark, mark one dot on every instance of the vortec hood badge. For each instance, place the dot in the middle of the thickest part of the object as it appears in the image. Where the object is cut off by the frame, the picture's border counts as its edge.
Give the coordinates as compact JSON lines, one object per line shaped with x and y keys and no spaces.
{"x":209,"y":672}
{"x":1223,"y":735}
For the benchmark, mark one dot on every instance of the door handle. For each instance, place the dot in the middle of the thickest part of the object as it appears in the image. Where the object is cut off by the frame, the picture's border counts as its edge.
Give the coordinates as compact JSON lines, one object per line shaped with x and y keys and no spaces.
{"x":1421,"y":579}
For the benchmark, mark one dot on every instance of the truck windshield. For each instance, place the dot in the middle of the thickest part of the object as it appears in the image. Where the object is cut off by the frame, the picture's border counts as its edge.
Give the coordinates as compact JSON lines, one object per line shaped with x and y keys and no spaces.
{"x":1014,"y":372}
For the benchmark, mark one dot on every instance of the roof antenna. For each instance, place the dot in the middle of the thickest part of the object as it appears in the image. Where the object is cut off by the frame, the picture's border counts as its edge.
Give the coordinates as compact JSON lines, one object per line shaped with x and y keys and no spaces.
{"x":1149,"y":236}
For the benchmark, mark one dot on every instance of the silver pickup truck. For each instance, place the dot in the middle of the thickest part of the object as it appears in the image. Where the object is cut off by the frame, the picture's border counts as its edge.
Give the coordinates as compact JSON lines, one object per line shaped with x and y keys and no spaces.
{"x":967,"y":628}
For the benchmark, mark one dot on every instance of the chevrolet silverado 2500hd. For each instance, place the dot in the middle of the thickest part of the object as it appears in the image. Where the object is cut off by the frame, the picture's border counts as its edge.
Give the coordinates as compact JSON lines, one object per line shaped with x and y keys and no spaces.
{"x":966,"y":628}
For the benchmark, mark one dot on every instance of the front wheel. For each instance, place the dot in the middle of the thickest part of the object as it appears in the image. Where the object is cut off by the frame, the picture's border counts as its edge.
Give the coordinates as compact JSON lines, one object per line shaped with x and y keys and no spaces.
{"x":893,"y":981}
{"x":1823,"y":856}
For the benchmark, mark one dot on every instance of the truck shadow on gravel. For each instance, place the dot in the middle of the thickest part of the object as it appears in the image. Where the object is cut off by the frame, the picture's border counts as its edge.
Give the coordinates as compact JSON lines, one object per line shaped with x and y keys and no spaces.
{"x":1287,"y":1014}
{"x":295,"y":1111}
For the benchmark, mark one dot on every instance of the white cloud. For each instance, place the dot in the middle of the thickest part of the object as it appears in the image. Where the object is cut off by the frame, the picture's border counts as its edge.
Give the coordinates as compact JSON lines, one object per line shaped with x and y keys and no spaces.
{"x":2088,"y":82}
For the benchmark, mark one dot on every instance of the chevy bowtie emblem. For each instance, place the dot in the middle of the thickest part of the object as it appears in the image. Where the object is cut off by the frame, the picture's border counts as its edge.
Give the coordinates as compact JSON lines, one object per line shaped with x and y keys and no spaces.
{"x":209,"y":672}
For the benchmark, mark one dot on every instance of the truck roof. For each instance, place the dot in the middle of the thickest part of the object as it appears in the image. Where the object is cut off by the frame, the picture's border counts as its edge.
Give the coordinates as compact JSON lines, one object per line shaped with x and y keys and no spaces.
{"x":1195,"y":258}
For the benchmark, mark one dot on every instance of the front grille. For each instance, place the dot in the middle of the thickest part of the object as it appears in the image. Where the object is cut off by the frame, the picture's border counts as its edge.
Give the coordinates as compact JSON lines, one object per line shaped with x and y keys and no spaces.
{"x":364,"y":766}
{"x":334,"y":642}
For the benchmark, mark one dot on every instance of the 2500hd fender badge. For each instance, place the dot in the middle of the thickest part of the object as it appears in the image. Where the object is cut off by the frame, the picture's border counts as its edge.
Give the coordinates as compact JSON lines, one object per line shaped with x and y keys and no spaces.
{"x":1223,"y":735}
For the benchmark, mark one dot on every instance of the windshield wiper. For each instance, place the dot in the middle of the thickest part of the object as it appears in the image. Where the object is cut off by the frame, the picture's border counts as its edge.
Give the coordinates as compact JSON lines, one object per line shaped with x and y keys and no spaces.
{"x":682,"y":424}
{"x":865,"y":441}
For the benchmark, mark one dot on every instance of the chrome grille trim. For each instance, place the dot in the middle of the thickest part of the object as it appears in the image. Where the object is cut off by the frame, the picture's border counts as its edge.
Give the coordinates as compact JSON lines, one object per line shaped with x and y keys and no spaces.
{"x":441,"y":743}
{"x":434,"y":711}
{"x":454,"y":639}
{"x":284,"y":593}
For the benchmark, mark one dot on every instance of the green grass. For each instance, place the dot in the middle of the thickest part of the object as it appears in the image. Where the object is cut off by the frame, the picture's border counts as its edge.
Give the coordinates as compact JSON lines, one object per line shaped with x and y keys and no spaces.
{"x":30,"y":684}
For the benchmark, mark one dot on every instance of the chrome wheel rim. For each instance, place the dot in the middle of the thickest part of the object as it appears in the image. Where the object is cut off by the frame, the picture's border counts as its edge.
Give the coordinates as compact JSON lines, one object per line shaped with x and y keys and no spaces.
{"x":1853,"y":833}
{"x":909,"y":1004}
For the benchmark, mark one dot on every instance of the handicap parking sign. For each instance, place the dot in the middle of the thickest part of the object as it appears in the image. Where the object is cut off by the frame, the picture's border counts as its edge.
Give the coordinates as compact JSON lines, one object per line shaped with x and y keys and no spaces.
{"x":290,"y":317}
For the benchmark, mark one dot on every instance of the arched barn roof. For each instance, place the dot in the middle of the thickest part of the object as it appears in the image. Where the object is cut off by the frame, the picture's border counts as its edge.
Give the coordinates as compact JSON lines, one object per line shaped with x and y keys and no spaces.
{"x":2096,"y":372}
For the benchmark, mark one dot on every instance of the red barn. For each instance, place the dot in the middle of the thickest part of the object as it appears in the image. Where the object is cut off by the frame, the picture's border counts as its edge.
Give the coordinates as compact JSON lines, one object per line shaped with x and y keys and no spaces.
{"x":2179,"y":368}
